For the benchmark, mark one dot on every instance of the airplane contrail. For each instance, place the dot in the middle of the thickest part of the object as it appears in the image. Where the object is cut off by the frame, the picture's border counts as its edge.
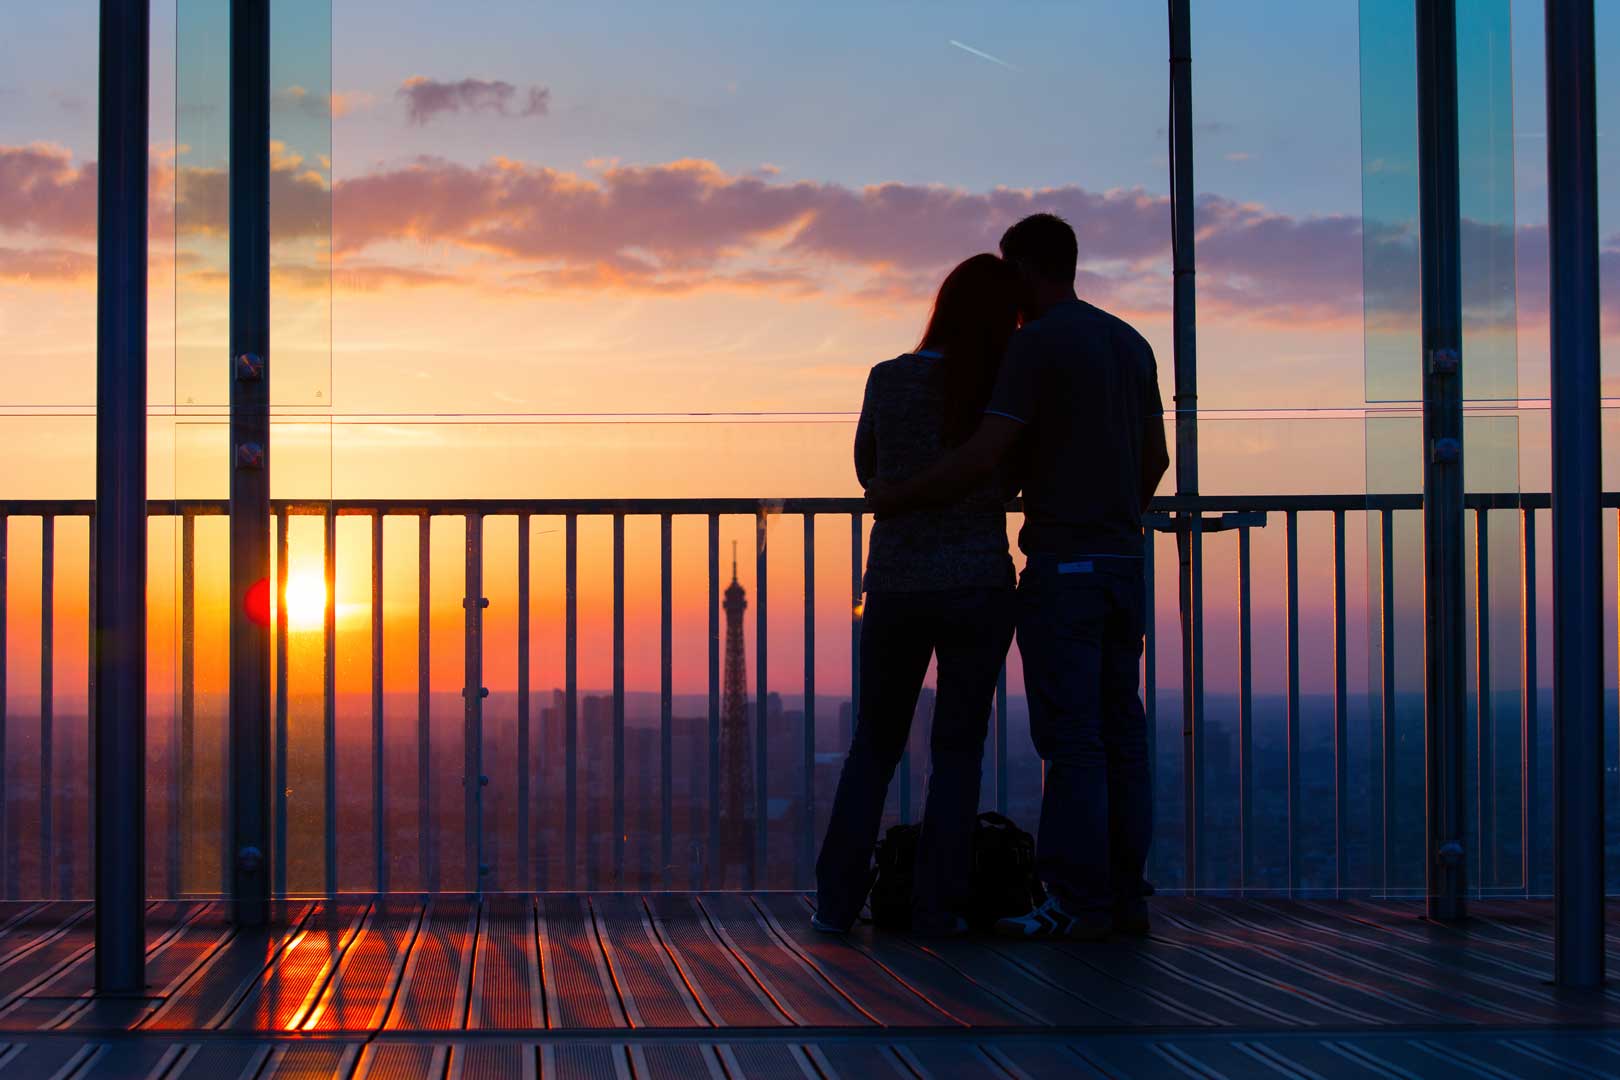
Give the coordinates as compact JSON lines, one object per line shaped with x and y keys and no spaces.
{"x":982,"y":55}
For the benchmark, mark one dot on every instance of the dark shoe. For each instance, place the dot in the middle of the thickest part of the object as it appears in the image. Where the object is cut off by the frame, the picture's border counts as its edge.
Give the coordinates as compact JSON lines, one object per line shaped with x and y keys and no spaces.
{"x":1052,"y":920}
{"x":827,"y":927}
{"x":938,"y":924}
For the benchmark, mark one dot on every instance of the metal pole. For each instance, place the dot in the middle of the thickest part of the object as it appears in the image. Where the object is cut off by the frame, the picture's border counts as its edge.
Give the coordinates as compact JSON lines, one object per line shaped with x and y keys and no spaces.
{"x":473,"y":693}
{"x":250,"y":448}
{"x":1189,"y":539}
{"x":119,"y":531}
{"x":1572,"y":215}
{"x":1445,"y":714}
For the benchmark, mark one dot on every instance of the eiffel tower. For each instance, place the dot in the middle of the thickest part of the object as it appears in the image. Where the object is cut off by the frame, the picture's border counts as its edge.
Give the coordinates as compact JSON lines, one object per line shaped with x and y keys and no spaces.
{"x":736,"y":854}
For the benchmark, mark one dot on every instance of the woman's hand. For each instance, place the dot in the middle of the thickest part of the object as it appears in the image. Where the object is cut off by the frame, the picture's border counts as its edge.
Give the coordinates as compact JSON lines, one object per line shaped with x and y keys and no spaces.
{"x":880,"y":497}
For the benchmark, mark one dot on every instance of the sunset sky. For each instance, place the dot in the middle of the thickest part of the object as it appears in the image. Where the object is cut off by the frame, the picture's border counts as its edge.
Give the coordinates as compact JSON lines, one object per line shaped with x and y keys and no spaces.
{"x":651,"y":250}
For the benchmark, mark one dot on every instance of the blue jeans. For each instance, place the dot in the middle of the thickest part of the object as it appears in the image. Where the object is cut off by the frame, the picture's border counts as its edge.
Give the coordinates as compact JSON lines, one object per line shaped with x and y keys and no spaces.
{"x":1080,"y":626}
{"x":969,"y":630}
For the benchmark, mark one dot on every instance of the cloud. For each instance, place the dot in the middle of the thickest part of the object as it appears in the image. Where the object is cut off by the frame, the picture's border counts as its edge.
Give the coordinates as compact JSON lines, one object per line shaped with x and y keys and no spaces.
{"x":44,"y":193}
{"x":46,"y":265}
{"x":685,"y":226}
{"x":426,"y":98}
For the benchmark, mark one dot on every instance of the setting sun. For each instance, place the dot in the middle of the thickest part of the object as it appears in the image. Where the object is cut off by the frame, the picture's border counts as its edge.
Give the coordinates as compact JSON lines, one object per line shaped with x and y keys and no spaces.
{"x":306,"y":601}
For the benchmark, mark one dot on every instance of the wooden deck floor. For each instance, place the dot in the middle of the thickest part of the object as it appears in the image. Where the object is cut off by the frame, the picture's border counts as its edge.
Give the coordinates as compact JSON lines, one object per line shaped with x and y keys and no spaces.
{"x":734,"y":985}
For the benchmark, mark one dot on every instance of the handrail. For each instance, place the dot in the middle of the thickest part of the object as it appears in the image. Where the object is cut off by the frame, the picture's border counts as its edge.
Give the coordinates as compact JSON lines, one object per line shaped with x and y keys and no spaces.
{"x":188,"y":818}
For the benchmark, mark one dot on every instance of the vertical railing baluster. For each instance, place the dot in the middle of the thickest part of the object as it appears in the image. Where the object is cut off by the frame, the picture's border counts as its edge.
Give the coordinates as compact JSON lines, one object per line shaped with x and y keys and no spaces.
{"x":666,"y":698}
{"x":278,"y":801}
{"x":525,"y":867}
{"x":1193,"y":778}
{"x":329,"y":693}
{"x":1484,"y":722}
{"x":1529,"y":755}
{"x":1341,"y":715}
{"x":47,"y":702}
{"x":856,"y":609}
{"x":758,"y":866}
{"x":7,"y":863}
{"x":90,"y":700}
{"x":379,"y":809}
{"x":807,"y":804}
{"x":427,"y":831}
{"x":1386,"y":687}
{"x":711,"y":859}
{"x":1295,"y":847}
{"x":473,"y":693}
{"x":1246,"y":875}
{"x":618,"y":701}
{"x":1150,"y":660}
{"x":183,"y":727}
{"x":1001,"y":740}
{"x":571,"y":697}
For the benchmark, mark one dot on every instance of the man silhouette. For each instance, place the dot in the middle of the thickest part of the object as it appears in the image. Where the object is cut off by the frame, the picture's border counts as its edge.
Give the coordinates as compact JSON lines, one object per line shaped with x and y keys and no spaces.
{"x":1077,"y":400}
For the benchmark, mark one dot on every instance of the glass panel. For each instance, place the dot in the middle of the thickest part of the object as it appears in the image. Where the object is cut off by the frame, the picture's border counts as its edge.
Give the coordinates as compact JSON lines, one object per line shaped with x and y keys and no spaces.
{"x":1278,"y":247}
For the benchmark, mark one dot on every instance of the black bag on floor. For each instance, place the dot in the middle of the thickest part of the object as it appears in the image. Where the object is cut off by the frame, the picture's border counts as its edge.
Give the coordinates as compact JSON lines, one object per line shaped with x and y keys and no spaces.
{"x":1004,"y":883}
{"x":896,"y":877}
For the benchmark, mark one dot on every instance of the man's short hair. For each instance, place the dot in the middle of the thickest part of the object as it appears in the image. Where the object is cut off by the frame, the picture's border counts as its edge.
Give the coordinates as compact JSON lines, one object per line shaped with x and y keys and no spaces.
{"x":1045,"y":244}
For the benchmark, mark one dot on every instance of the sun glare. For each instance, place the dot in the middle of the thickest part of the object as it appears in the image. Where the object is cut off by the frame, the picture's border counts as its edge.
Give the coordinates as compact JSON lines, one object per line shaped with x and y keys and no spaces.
{"x":306,"y":602}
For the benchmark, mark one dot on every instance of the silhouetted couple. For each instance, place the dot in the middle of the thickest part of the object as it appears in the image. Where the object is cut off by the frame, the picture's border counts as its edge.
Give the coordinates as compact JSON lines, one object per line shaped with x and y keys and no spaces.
{"x":1017,"y":385}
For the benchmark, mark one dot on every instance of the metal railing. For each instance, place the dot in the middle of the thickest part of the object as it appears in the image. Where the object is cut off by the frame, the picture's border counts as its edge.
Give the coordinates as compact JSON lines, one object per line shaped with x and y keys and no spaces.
{"x":1202,"y":514}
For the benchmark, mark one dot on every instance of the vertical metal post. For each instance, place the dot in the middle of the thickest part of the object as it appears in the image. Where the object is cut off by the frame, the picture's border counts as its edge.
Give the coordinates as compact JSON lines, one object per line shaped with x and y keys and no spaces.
{"x":119,"y":529}
{"x":1445,"y":856}
{"x":249,"y":185}
{"x":856,"y":565}
{"x":8,"y":850}
{"x":1386,"y":686}
{"x":1341,"y":716}
{"x":525,"y":867}
{"x":427,"y":835}
{"x":1150,"y":658}
{"x":807,"y":802}
{"x":1192,"y":733}
{"x":1576,"y":483}
{"x":379,"y":805}
{"x":473,"y":693}
{"x":759,"y":865}
{"x":618,"y":701}
{"x":712,"y":866}
{"x":1484,"y":722}
{"x":329,"y":695}
{"x":666,"y":698}
{"x":47,"y":705}
{"x":1529,"y":736}
{"x":279,"y":800}
{"x":1189,"y":538}
{"x":1296,"y":849}
{"x":571,"y":696}
{"x":1245,"y":715}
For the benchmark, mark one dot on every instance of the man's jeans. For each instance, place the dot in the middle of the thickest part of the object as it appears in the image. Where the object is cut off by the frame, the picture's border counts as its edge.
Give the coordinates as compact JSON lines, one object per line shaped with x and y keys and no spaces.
{"x":969,"y":630}
{"x":1080,"y":626}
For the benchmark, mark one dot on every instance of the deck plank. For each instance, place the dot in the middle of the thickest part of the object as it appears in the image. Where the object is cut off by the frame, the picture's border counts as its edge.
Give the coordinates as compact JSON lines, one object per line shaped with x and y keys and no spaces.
{"x":362,"y":988}
{"x":804,"y":994}
{"x":294,"y":981}
{"x":225,"y":975}
{"x":579,"y":989}
{"x":726,"y":989}
{"x":506,"y":983}
{"x":654,"y":991}
{"x":435,"y":984}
